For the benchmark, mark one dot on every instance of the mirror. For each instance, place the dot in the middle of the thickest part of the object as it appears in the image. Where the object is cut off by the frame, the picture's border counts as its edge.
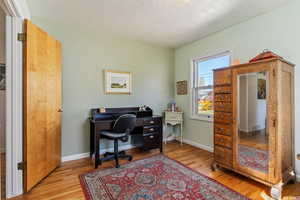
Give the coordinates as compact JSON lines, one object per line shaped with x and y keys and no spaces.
{"x":252,"y":121}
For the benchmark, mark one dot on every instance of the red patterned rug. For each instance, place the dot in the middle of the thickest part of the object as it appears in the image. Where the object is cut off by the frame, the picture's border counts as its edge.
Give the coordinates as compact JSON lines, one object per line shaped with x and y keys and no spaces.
{"x":154,"y":178}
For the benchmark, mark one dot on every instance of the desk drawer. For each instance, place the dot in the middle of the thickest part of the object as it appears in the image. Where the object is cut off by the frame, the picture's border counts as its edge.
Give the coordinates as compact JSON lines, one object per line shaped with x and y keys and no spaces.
{"x":151,"y":140}
{"x":150,"y":129}
{"x":100,"y":126}
{"x":151,"y":122}
{"x":176,"y":116}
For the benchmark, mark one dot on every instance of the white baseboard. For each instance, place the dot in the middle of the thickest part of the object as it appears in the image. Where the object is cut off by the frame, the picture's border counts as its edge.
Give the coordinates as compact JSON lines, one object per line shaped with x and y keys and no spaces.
{"x":168,"y":139}
{"x":298,"y":178}
{"x":201,"y":146}
{"x":75,"y":157}
{"x":87,"y":154}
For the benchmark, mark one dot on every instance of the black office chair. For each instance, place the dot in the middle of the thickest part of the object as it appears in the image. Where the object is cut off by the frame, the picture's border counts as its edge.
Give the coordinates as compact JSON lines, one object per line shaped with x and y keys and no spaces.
{"x":121,"y":130}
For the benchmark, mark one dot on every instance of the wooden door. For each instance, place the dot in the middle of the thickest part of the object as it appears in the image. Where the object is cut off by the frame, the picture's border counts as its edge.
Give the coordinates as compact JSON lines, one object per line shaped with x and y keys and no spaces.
{"x":42,"y":104}
{"x":247,"y":143}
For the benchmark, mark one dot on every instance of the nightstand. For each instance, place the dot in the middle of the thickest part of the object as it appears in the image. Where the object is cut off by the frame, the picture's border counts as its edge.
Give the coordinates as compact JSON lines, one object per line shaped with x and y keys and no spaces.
{"x":173,"y":119}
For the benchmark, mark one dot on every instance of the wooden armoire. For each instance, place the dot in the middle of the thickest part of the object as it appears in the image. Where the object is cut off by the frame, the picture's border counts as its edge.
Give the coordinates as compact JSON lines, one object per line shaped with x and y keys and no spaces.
{"x":254,"y":121}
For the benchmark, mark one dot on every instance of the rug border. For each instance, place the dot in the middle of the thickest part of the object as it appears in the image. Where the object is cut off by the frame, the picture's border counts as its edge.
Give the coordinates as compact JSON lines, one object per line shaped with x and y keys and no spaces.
{"x":84,"y":187}
{"x":88,"y":196}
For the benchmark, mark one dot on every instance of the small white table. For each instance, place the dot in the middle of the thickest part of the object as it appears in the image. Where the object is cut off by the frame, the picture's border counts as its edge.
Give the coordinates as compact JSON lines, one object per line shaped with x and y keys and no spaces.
{"x":174,"y":118}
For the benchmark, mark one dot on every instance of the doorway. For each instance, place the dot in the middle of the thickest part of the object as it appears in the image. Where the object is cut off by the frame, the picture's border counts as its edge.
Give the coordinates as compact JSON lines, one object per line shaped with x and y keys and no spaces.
{"x":2,"y":104}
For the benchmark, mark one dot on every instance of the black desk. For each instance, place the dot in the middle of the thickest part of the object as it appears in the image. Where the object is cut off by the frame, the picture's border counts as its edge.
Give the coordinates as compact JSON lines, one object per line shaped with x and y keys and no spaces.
{"x":146,"y":135}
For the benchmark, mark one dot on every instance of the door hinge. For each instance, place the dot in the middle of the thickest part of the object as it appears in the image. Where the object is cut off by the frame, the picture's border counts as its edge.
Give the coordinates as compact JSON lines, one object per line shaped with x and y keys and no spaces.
{"x":22,"y":37}
{"x":21,"y":165}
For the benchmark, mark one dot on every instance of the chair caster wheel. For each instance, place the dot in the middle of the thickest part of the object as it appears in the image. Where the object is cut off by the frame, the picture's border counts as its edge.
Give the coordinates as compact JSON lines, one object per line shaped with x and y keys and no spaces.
{"x":130,"y":159}
{"x":117,"y":166}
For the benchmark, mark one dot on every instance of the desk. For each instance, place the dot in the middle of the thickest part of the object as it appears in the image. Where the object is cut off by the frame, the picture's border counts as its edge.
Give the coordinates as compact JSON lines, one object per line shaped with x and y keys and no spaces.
{"x":146,"y":135}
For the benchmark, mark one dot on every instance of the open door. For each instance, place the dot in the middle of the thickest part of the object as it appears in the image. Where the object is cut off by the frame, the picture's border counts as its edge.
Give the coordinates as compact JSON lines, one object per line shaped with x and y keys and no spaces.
{"x":42,"y":104}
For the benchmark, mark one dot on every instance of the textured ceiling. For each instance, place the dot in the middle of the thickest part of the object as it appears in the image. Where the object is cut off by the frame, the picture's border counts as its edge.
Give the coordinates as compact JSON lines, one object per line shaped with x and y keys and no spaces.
{"x":164,"y":22}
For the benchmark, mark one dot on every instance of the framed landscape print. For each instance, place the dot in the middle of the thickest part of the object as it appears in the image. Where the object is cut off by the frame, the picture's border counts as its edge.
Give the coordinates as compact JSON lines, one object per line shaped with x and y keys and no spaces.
{"x":117,"y":82}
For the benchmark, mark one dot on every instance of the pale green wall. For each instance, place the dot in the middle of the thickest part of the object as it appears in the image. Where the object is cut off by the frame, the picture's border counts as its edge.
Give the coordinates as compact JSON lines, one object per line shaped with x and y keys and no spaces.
{"x":278,"y":31}
{"x":85,"y":55}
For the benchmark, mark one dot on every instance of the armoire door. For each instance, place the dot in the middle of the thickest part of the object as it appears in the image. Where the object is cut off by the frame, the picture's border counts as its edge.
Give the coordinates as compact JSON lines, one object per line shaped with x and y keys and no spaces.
{"x":42,"y":104}
{"x":254,"y":105}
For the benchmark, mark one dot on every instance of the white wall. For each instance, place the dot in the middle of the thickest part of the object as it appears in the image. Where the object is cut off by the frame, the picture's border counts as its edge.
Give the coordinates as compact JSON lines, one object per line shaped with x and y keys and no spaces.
{"x":278,"y":31}
{"x":2,"y":36}
{"x":85,"y":55}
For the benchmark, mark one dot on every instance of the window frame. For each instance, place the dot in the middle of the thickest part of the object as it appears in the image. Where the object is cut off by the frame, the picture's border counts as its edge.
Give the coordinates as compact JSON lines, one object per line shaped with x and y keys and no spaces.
{"x":194,"y":71}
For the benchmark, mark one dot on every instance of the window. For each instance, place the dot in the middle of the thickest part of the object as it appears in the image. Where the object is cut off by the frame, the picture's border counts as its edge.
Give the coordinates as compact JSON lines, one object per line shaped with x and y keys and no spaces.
{"x":202,"y":84}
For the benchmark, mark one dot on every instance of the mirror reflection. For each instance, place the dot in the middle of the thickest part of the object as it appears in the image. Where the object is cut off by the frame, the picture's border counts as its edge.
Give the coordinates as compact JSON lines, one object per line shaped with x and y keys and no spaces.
{"x":252,"y":121}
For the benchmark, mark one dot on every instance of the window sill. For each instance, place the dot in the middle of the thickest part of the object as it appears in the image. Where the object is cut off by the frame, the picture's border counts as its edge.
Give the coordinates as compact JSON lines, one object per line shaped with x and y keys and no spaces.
{"x":206,"y":118}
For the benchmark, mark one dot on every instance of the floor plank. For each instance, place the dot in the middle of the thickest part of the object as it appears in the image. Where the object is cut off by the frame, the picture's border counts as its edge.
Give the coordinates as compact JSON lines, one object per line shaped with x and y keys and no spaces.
{"x":63,"y":183}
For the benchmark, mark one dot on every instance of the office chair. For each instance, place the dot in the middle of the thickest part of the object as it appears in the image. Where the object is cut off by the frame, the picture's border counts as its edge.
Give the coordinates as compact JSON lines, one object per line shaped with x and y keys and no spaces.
{"x":121,"y":130}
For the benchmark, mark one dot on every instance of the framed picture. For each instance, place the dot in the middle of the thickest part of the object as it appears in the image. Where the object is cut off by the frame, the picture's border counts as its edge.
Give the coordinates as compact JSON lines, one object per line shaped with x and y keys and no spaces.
{"x":261,"y":89}
{"x":117,"y":82}
{"x":2,"y":77}
{"x":181,"y":87}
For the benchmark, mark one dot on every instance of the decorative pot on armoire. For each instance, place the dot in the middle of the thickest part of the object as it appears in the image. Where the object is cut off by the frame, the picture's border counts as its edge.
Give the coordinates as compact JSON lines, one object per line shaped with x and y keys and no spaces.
{"x":254,"y":121}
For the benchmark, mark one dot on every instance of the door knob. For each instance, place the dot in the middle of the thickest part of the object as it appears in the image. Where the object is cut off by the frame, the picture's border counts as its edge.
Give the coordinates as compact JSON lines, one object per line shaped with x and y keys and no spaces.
{"x":60,"y":110}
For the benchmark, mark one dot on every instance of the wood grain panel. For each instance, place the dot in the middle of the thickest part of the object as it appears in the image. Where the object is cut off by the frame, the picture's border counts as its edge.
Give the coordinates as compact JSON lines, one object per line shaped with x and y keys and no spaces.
{"x":222,"y":117}
{"x":223,"y":140}
{"x":222,"y":97}
{"x":222,"y":89}
{"x":286,"y":103}
{"x":222,"y":77}
{"x":222,"y":106}
{"x":223,"y":155}
{"x":223,"y":129}
{"x":42,"y":100}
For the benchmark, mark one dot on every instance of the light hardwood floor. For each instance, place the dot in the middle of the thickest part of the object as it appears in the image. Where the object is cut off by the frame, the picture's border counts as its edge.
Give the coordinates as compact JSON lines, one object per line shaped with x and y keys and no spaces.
{"x":63,"y":183}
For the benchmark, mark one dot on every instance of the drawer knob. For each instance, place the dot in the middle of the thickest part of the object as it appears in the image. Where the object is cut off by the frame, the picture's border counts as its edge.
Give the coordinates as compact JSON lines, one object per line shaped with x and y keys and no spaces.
{"x":151,"y":122}
{"x":151,"y":129}
{"x":151,"y":136}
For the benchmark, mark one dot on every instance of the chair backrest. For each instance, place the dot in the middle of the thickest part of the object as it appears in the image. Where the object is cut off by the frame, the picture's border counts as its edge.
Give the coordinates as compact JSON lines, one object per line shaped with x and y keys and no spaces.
{"x":125,"y":123}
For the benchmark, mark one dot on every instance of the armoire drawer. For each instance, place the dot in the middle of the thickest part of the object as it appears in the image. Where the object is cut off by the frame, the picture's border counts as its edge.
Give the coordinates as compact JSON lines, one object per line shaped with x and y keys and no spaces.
{"x":223,"y":129}
{"x":223,"y":155}
{"x":222,"y":97}
{"x":222,"y":89}
{"x":222,"y":77}
{"x":223,"y":106}
{"x":223,"y":117}
{"x":223,"y":140}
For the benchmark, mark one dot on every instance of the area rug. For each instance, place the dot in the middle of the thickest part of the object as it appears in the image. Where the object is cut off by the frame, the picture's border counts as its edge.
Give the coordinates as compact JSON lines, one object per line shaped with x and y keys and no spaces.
{"x":154,"y":178}
{"x":253,"y":158}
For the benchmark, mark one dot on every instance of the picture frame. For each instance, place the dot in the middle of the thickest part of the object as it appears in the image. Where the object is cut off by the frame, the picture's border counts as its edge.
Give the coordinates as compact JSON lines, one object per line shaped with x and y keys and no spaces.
{"x":181,"y":87}
{"x":261,"y":86}
{"x":2,"y":77}
{"x":117,"y":82}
